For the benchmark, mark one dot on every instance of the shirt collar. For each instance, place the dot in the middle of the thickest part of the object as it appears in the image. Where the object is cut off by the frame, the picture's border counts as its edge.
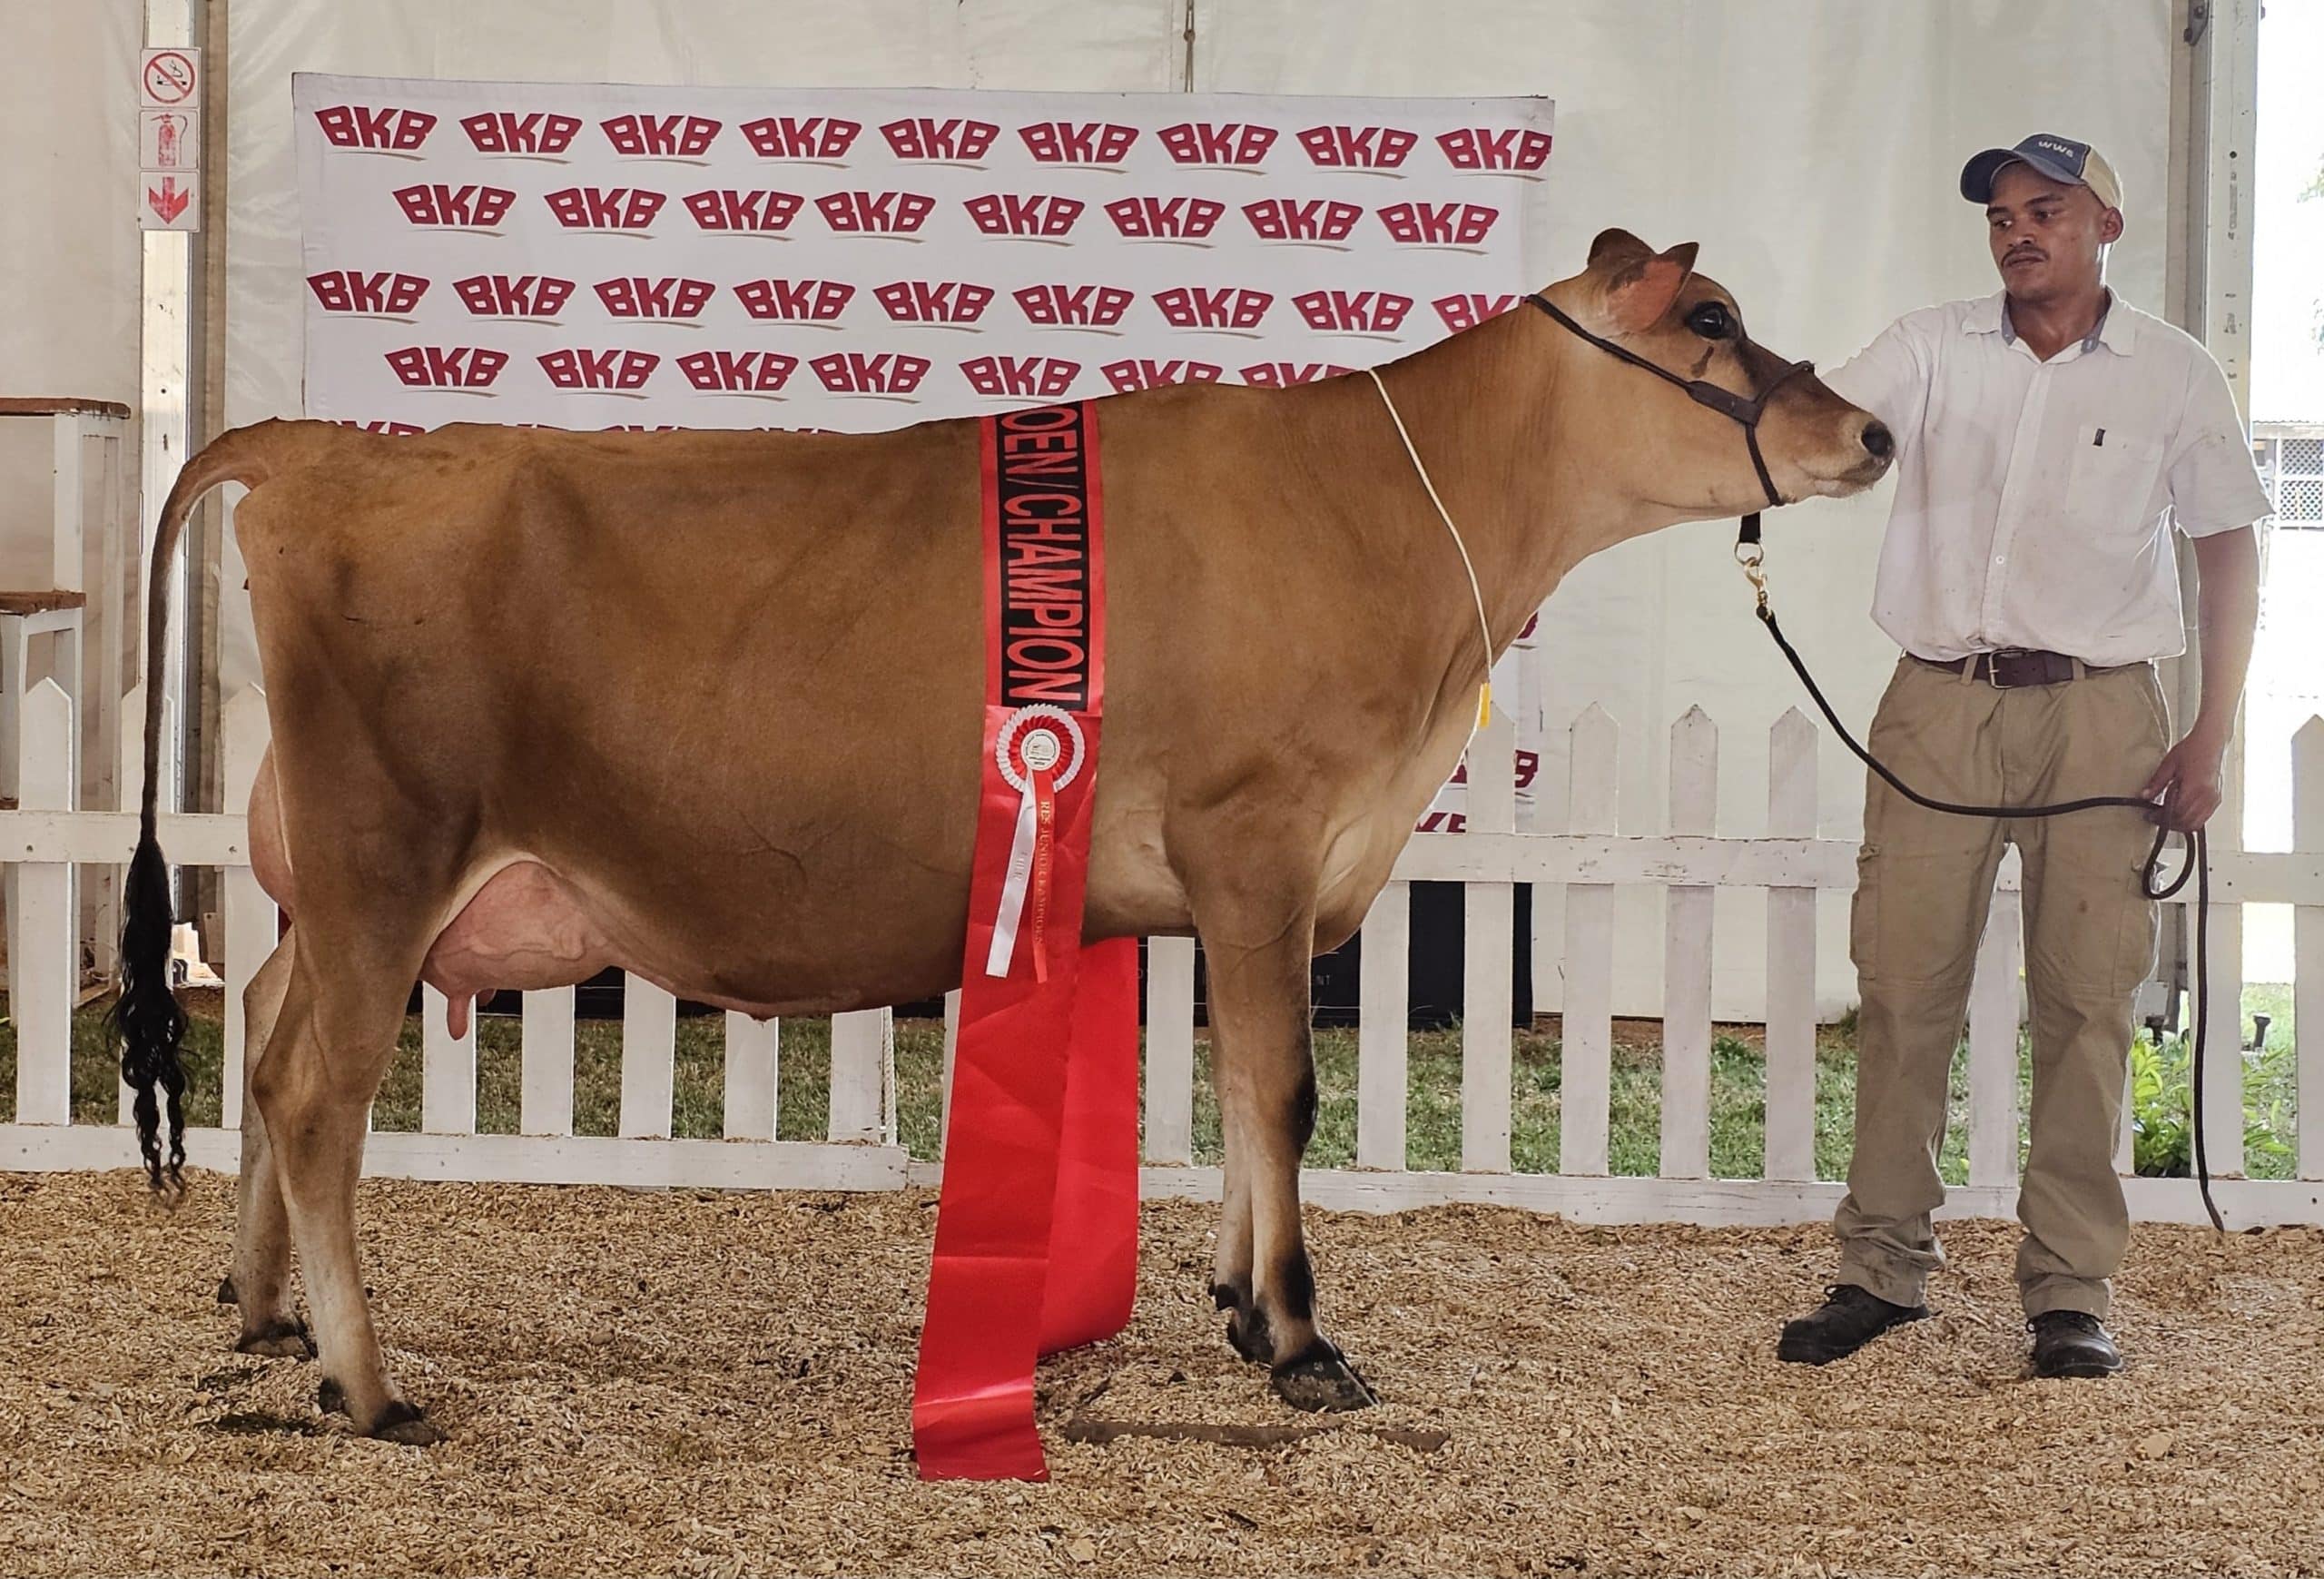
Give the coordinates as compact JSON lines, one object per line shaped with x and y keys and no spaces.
{"x":2115,"y":329}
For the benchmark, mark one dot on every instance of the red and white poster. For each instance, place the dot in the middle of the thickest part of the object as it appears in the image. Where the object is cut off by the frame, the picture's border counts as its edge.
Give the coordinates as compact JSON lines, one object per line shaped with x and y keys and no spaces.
{"x":594,"y":256}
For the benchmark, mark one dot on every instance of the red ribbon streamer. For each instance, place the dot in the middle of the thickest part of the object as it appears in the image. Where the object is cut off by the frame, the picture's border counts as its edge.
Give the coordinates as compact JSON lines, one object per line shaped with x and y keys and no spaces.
{"x":1036,"y":1231}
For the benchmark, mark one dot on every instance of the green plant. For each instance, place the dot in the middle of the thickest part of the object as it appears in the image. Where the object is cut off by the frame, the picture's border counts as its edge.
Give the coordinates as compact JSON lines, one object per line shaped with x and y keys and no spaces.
{"x":2161,"y":1123}
{"x":2162,"y":1126}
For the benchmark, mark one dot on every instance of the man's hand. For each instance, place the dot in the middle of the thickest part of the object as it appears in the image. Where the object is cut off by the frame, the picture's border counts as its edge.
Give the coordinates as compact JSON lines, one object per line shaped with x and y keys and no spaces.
{"x":2186,"y":785}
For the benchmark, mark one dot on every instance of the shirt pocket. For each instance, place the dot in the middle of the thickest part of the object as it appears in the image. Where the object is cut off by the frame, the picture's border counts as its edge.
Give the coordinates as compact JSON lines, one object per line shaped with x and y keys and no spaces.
{"x":2112,"y":481}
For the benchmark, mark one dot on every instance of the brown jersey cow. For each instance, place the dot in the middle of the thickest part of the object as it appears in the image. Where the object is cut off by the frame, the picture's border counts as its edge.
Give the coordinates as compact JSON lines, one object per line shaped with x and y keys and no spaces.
{"x":706,"y":706}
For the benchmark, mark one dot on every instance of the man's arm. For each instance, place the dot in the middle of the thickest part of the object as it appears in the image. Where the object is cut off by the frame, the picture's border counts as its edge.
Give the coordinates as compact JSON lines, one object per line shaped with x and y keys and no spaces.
{"x":2227,"y":613}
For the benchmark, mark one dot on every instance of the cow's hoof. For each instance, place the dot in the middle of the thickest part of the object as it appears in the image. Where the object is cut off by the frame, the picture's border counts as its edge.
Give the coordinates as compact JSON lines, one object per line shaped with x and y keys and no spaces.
{"x":285,"y":1337}
{"x":226,"y":1295}
{"x":405,"y":1424}
{"x":1321,"y":1379}
{"x":1246,"y":1329}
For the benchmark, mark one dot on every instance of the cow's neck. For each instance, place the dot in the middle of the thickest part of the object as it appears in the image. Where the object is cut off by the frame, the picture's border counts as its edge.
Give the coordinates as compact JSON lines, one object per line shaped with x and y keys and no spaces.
{"x":1530,"y":453}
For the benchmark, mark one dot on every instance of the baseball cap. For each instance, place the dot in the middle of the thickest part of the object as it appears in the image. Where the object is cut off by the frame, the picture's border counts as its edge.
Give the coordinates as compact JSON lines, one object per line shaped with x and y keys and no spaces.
{"x":2059,"y":158}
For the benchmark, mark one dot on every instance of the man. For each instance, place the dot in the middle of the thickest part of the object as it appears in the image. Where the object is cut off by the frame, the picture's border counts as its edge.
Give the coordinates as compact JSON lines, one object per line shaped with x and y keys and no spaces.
{"x":2049,"y":438}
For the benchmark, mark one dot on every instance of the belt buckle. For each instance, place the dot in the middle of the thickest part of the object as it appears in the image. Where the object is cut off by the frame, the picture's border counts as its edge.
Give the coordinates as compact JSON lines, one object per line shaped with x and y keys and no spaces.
{"x":1993,"y":666}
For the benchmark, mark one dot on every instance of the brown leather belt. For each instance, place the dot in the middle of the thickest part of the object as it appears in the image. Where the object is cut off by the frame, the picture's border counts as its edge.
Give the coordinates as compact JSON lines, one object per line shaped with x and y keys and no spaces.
{"x":2009,"y":668}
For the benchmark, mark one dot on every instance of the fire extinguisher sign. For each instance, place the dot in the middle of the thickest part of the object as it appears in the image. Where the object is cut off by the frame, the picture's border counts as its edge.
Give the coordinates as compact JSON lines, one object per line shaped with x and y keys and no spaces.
{"x":169,"y":140}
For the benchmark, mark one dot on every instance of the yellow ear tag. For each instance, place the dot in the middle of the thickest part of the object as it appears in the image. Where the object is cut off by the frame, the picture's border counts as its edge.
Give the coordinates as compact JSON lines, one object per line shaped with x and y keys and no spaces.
{"x":1485,"y":705}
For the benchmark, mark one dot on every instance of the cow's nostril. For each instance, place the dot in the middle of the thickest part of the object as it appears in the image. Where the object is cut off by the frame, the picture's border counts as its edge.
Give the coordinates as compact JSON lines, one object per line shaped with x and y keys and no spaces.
{"x":1879,"y":441}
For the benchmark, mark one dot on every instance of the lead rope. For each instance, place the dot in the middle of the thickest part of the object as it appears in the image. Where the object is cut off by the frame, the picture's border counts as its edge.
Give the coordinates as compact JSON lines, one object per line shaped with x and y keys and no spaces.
{"x":1485,"y":631}
{"x":2197,"y":845}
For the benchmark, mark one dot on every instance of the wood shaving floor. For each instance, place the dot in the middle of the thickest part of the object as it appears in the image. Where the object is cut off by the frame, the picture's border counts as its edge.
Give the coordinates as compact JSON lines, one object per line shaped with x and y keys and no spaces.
{"x":698,"y":1384}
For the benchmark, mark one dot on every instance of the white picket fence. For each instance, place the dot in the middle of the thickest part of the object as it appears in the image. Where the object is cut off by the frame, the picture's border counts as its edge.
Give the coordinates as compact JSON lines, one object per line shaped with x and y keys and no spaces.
{"x":1788,"y":860}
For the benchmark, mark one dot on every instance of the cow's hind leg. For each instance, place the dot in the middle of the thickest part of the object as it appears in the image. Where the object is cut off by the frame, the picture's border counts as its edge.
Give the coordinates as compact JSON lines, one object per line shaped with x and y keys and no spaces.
{"x":1258,"y":941}
{"x":333,"y":1042}
{"x":261,"y":1281}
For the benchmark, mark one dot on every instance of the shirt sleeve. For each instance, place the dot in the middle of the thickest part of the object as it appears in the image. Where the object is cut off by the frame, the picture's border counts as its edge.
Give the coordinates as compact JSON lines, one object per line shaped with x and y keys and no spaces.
{"x":1890,"y":379}
{"x":2214,"y":482}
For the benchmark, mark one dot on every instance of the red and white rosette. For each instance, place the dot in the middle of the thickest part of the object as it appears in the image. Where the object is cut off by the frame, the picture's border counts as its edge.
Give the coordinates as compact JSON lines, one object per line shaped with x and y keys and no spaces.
{"x":1039,"y":751}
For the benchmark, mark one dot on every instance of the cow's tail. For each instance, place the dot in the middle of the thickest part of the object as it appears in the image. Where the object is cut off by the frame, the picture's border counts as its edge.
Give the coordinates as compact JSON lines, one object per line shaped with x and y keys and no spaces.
{"x":146,"y":1018}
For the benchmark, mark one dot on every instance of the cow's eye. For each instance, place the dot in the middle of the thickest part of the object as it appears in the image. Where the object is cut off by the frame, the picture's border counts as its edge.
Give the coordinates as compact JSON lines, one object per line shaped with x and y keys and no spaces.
{"x":1711,"y":320}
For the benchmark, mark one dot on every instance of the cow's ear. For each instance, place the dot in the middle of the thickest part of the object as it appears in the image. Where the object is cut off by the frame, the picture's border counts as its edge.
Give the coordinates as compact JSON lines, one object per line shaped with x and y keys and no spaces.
{"x":1617,"y":248}
{"x":1641,"y":293}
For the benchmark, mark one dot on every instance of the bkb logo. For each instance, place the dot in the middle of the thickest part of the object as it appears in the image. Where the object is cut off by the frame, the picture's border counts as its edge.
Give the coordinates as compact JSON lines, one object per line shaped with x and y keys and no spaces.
{"x":1032,"y":377}
{"x":738,"y":372}
{"x":1496,"y":148}
{"x":393,"y":429}
{"x":440,"y":367}
{"x":1074,"y":306}
{"x":1283,"y":375}
{"x":1217,"y":142}
{"x":605,"y":208}
{"x":1144,"y":373}
{"x":541,"y":296}
{"x":1358,"y":147}
{"x":875,"y":213}
{"x":805,"y":137}
{"x":1283,"y":219}
{"x":1354,"y":312}
{"x":635,"y":296}
{"x":955,"y":140}
{"x":744,"y":213}
{"x":456,"y":208}
{"x":1165,"y":219}
{"x":1078,"y":143}
{"x":794,"y":301}
{"x":538,"y":135}
{"x":1469,"y":310}
{"x":1439,"y":224}
{"x":1006,"y":214}
{"x":382,"y":295}
{"x":381,"y":131}
{"x":1528,"y":766}
{"x":661,"y":136}
{"x":857,"y":372}
{"x":1228,"y":308}
{"x":926,"y":301}
{"x":620,"y":371}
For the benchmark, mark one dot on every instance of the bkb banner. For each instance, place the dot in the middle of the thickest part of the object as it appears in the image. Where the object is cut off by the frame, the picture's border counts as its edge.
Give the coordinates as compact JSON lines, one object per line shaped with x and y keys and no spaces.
{"x":596,"y":256}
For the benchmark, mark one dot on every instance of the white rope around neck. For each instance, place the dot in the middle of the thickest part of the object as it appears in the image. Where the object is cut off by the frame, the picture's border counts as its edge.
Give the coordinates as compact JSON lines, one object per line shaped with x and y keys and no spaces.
{"x":1484,"y":631}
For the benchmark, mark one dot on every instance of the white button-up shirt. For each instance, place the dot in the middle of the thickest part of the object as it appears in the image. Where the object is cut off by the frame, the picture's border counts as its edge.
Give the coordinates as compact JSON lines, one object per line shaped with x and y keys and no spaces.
{"x":2034,"y":500}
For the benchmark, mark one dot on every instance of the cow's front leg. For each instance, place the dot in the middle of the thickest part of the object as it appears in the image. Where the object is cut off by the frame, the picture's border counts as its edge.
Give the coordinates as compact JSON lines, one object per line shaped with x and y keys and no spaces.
{"x":1231,"y":1287}
{"x":1262,"y":1065}
{"x":259,"y":1283}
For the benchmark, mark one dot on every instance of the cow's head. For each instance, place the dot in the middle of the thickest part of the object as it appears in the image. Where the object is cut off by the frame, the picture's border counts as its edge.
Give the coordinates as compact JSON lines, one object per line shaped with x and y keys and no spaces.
{"x":1690,"y":459}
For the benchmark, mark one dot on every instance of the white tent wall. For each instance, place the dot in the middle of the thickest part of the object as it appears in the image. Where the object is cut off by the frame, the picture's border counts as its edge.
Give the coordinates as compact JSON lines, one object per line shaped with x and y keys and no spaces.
{"x":1811,"y":146}
{"x":70,"y":262}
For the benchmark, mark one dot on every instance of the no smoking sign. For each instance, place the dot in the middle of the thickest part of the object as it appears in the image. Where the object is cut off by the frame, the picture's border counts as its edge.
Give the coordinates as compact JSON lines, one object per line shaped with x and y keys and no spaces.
{"x":169,"y":79}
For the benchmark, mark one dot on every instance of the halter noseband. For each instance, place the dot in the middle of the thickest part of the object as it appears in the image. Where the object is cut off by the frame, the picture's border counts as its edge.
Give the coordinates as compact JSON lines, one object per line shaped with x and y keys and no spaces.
{"x":1746,"y":409}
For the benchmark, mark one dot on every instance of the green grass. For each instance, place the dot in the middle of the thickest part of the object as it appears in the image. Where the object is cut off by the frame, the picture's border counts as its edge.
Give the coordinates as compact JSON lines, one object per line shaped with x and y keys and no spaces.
{"x":1432,"y":1107}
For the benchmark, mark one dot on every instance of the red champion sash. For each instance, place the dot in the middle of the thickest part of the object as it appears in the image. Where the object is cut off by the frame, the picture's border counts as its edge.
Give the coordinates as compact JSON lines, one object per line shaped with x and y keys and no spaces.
{"x":1041,"y":1151}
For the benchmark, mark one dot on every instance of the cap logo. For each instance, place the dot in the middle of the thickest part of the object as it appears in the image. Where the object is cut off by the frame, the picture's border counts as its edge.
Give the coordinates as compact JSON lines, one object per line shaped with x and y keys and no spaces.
{"x":2069,"y":154}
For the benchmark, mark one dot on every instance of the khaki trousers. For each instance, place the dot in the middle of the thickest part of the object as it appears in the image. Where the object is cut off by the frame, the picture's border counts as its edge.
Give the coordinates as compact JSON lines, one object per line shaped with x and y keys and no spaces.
{"x":1924,"y":883}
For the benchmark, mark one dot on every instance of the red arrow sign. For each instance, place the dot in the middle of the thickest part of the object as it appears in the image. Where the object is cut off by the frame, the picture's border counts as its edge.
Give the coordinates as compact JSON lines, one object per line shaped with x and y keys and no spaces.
{"x":169,"y":203}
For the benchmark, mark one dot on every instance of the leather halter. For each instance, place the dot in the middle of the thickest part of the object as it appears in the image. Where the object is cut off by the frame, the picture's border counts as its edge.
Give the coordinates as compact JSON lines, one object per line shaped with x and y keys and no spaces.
{"x":1746,"y":409}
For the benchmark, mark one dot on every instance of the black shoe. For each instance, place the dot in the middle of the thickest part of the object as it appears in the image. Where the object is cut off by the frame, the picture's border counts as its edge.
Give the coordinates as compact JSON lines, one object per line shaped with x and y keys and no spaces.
{"x":1848,"y":1320}
{"x":2069,"y":1342}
